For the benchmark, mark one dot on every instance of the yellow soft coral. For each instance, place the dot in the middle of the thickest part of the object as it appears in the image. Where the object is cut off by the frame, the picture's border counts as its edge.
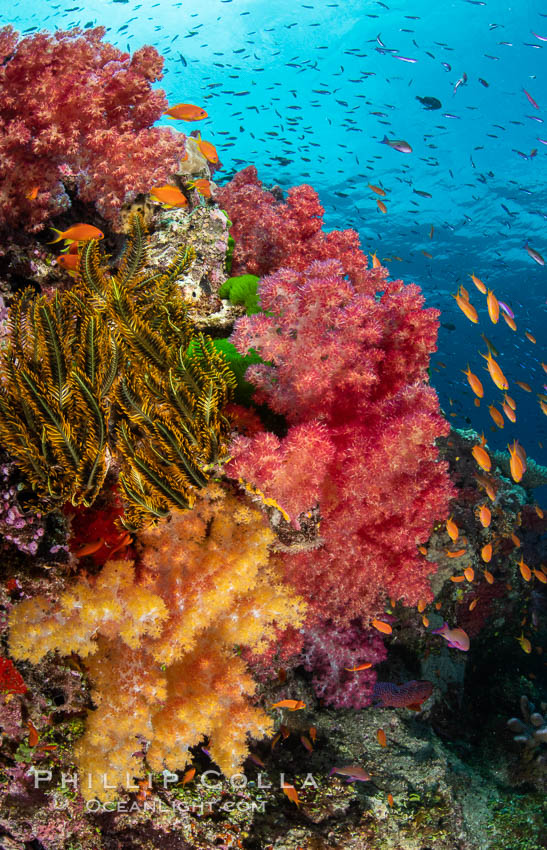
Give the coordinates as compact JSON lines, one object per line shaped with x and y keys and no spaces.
{"x":160,"y":652}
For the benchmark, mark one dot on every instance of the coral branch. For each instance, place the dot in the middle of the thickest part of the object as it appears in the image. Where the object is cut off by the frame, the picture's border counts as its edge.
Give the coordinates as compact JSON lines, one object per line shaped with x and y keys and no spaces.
{"x":76,"y":114}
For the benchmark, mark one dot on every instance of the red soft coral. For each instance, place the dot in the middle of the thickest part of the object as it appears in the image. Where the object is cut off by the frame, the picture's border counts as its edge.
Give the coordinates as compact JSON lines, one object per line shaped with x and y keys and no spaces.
{"x":264,"y":459}
{"x":73,"y":107}
{"x":270,"y":233}
{"x":355,"y":365}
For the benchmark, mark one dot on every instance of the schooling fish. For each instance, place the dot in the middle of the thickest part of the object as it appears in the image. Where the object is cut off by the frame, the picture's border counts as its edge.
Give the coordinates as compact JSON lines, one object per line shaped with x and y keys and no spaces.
{"x":455,"y":638}
{"x":535,"y":255}
{"x":77,"y":233}
{"x":461,"y":82}
{"x":429,"y":102}
{"x":531,"y":99}
{"x":495,"y":371}
{"x":186,"y":112}
{"x":170,"y":196}
{"x":397,"y":145}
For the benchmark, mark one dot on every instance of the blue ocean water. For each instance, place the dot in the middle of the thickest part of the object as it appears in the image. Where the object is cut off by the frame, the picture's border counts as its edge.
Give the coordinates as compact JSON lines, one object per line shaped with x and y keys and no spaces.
{"x":307,"y":91}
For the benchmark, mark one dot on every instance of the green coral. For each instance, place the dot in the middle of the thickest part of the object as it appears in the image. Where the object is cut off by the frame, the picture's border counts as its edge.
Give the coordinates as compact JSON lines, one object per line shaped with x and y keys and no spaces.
{"x":238,"y":364}
{"x":242,"y":290}
{"x":105,"y":369}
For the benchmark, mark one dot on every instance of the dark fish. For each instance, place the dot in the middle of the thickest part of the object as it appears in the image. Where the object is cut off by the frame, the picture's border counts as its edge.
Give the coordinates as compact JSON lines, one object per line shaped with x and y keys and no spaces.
{"x":183,"y":60}
{"x":423,"y":194}
{"x":409,"y":695}
{"x":429,"y":102}
{"x":508,"y":211}
{"x":483,"y":82}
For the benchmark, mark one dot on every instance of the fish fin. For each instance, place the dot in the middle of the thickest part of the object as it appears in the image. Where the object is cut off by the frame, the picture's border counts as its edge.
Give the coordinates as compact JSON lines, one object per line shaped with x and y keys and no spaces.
{"x":59,"y":236}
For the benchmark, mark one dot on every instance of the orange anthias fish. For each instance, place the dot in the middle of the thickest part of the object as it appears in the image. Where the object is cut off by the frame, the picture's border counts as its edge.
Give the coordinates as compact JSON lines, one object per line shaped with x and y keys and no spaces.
{"x":478,"y":283}
{"x":526,"y":387}
{"x":496,"y":416}
{"x":474,"y":382}
{"x":376,"y":189}
{"x":381,"y":206}
{"x":495,"y":372}
{"x":452,"y":529}
{"x":307,"y":743}
{"x":376,"y":264}
{"x":493,"y":307}
{"x":32,"y":194}
{"x":382,"y":740}
{"x":68,"y":262}
{"x":482,"y":457}
{"x":486,"y":553}
{"x":208,"y":150}
{"x":170,"y":196}
{"x":365,"y":666}
{"x":188,"y":776}
{"x":202,"y":185}
{"x":466,"y":307}
{"x":457,"y":554}
{"x":485,"y":516}
{"x":525,"y":570}
{"x":77,"y":233}
{"x":89,"y":548}
{"x":186,"y":112}
{"x":516,"y":465}
{"x":33,"y":736}
{"x":291,"y":704}
{"x":291,"y":793}
{"x":385,"y":628}
{"x":469,"y":573}
{"x":509,"y":411}
{"x":510,"y":321}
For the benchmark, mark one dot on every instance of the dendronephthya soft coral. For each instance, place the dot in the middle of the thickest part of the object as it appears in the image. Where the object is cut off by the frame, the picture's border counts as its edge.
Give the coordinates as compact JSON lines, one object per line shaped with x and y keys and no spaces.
{"x":77,"y":113}
{"x":159,"y":642}
{"x":353,"y":365}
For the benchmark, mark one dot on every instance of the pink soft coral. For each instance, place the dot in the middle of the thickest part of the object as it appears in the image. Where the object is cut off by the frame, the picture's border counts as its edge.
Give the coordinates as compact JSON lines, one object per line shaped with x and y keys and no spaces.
{"x":329,"y":652}
{"x":355,"y":365}
{"x":264,"y":459}
{"x":75,"y":110}
{"x":270,"y":233}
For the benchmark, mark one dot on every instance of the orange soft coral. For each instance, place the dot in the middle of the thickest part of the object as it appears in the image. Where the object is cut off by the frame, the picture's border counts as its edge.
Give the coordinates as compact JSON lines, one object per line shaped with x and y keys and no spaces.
{"x":161,"y":655}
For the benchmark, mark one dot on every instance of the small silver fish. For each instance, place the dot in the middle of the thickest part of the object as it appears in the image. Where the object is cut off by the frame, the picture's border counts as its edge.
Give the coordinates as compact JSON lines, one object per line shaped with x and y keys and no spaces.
{"x":535,"y":255}
{"x":397,"y":145}
{"x":461,"y":82}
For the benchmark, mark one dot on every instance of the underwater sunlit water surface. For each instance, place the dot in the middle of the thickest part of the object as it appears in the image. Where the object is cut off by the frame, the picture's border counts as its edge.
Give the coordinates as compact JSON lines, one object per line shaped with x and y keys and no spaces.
{"x":307,"y":91}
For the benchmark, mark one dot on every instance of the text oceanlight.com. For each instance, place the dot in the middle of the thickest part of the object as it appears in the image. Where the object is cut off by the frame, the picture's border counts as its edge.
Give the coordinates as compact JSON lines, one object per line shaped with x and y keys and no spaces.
{"x":211,"y":780}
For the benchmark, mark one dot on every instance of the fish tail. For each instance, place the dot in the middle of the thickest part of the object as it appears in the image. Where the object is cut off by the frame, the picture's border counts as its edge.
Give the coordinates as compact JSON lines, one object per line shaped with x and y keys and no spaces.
{"x":59,"y":236}
{"x":385,"y":141}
